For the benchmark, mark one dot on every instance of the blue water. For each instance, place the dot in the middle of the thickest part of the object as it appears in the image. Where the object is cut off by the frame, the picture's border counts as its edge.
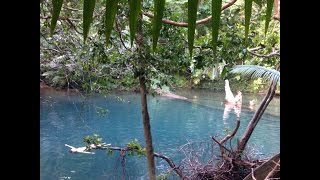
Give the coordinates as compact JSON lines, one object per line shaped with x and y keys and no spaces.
{"x":67,"y":118}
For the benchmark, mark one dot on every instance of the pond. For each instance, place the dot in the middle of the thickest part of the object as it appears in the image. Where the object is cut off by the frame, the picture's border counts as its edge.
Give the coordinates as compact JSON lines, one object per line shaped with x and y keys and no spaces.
{"x":66,"y":118}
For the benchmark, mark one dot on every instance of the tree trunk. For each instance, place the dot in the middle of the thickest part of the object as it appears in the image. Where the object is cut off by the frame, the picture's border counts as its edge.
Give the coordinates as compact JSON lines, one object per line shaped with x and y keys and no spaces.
{"x":146,"y":128}
{"x":255,"y":119}
{"x":142,"y":64}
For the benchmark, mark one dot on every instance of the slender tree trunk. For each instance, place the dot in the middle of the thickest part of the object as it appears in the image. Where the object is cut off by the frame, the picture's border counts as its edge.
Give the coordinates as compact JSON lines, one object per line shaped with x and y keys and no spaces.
{"x":255,"y":119}
{"x":144,"y":106}
{"x":147,"y":129}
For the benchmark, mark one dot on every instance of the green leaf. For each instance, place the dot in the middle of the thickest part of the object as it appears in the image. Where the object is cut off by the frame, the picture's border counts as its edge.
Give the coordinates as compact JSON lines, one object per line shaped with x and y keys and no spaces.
{"x":258,"y":2}
{"x":157,"y":23}
{"x":192,"y":18}
{"x":254,"y":71}
{"x":247,"y":11}
{"x":88,"y":8}
{"x":56,"y":8}
{"x":111,"y":11}
{"x":216,"y":13}
{"x":134,"y":9}
{"x":268,"y":14}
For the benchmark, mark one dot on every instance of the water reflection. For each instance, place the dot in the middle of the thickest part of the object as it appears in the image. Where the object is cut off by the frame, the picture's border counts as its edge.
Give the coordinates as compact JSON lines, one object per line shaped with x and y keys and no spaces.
{"x":228,"y":107}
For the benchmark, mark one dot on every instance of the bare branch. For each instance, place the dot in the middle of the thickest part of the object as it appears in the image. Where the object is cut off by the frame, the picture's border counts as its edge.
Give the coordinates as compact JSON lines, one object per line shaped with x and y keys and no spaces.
{"x":221,"y":146}
{"x":171,"y":164}
{"x":184,"y":24}
{"x":71,"y":9}
{"x":50,"y":49}
{"x":120,"y":35}
{"x":256,"y":48}
{"x":252,"y":174}
{"x":61,"y":18}
{"x":73,"y":26}
{"x":231,"y":134}
{"x":274,"y":53}
{"x":167,"y":159}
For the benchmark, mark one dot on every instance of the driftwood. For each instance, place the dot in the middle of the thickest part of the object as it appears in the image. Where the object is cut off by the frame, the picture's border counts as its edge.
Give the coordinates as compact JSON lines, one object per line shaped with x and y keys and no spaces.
{"x":269,"y":169}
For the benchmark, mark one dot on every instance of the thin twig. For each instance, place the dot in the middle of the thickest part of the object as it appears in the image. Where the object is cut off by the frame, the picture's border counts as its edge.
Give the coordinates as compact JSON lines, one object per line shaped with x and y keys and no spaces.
{"x":252,"y":174}
{"x":120,"y":35}
{"x":275,"y":53}
{"x":221,"y":146}
{"x":71,"y":9}
{"x":50,"y":49}
{"x":231,"y":134}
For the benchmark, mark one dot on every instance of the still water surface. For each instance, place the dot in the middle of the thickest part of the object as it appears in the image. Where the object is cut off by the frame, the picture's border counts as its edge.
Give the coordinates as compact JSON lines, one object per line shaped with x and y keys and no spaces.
{"x":67,"y":118}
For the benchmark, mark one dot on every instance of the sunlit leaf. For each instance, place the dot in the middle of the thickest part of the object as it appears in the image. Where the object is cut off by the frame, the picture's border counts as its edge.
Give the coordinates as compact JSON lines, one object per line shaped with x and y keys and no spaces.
{"x":157,"y":23}
{"x":134,"y":8}
{"x":111,"y":11}
{"x":192,"y":18}
{"x":247,"y":11}
{"x":216,"y":13}
{"x":56,"y":8}
{"x":88,"y":7}
{"x":254,"y":71}
{"x":268,"y":14}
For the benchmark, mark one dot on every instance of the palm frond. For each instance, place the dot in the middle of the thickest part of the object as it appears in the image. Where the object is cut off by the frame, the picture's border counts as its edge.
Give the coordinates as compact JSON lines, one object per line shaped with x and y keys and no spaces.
{"x":254,"y":71}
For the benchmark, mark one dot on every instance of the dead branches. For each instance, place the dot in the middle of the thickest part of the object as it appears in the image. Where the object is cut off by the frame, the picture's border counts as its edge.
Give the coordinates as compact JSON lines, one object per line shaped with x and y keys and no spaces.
{"x":226,"y":138}
{"x":171,"y":164}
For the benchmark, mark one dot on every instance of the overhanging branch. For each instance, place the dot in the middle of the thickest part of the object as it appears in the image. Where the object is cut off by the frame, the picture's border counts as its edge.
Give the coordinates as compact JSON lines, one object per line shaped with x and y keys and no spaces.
{"x":184,"y":24}
{"x":124,"y":149}
{"x":275,"y":53}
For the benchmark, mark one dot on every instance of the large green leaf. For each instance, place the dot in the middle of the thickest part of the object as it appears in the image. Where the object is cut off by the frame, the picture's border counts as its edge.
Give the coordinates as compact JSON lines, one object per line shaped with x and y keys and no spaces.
{"x":111,"y":11}
{"x":192,"y":18}
{"x":268,"y":14}
{"x":134,"y":8}
{"x":254,"y":71}
{"x":56,"y":8}
{"x":247,"y":11}
{"x":157,"y":23}
{"x":88,"y":7}
{"x":216,"y":13}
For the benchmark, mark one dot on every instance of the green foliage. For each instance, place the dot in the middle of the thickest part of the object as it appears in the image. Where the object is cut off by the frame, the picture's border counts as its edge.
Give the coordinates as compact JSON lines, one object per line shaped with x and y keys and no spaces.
{"x":94,"y":139}
{"x":135,"y":148}
{"x":258,"y":2}
{"x":254,"y":71}
{"x":268,"y":14}
{"x":88,"y":8}
{"x":157,"y":23}
{"x":95,"y":67}
{"x":248,"y":12}
{"x":216,"y":13}
{"x":192,"y":18}
{"x":257,"y":84}
{"x":135,"y":8}
{"x":110,"y":14}
{"x":56,"y":8}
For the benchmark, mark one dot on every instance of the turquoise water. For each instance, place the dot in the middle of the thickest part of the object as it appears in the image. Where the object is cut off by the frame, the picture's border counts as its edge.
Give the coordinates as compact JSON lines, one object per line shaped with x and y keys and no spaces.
{"x":66,"y":119}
